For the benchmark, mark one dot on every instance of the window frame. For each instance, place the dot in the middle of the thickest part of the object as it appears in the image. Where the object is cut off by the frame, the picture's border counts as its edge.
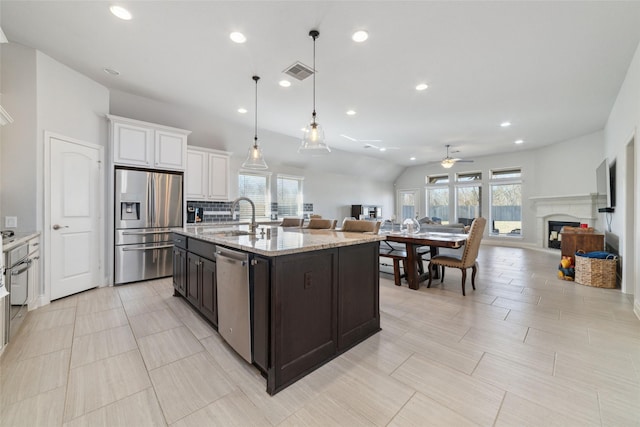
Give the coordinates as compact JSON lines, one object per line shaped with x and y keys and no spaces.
{"x":494,"y":180}
{"x":267,"y":195}
{"x":434,"y":184}
{"x":300,"y":196}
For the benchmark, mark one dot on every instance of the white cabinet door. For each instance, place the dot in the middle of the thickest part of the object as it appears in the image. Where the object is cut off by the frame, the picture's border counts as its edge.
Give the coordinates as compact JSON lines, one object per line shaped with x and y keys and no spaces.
{"x":33,"y":280}
{"x":197,"y":175}
{"x":170,"y":149}
{"x":132,"y":144}
{"x":148,"y":145}
{"x":218,"y":177}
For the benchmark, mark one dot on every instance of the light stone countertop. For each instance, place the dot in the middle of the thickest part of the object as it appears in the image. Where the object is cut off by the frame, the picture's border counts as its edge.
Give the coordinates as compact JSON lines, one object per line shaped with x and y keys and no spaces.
{"x":283,"y":241}
{"x":19,"y":238}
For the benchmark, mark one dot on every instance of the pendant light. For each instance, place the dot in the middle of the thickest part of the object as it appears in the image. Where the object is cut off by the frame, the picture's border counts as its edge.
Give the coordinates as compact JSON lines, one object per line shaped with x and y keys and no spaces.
{"x":254,"y":157}
{"x":313,"y":137}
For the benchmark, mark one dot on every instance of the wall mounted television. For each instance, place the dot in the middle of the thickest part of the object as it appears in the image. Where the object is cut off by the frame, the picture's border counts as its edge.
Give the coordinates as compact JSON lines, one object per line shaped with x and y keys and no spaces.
{"x":606,"y":184}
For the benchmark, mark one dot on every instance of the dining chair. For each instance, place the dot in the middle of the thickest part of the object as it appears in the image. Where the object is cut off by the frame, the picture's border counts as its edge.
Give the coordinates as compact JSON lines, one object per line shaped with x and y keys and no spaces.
{"x":319,"y":223}
{"x":466,"y":260}
{"x":291,"y":222}
{"x":361,"y":226}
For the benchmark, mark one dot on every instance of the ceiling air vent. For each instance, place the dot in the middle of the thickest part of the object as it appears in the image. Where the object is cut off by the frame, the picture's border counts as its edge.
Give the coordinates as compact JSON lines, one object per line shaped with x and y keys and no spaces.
{"x":299,"y":71}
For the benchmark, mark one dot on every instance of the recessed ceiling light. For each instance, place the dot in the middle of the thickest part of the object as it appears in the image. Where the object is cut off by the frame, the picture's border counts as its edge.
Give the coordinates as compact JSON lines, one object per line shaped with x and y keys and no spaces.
{"x":360,"y":36}
{"x":237,"y":37}
{"x":121,"y":12}
{"x":242,"y":110}
{"x":383,"y":149}
{"x":505,"y":124}
{"x":111,"y":71}
{"x":351,"y":113}
{"x":422,"y":86}
{"x":284,"y":83}
{"x":412,"y":158}
{"x":304,"y":130}
{"x":518,"y":141}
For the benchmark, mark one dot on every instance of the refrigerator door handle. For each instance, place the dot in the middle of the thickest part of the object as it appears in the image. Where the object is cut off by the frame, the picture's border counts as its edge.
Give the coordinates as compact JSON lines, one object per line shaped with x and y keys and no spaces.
{"x":153,"y":200}
{"x":148,"y":248}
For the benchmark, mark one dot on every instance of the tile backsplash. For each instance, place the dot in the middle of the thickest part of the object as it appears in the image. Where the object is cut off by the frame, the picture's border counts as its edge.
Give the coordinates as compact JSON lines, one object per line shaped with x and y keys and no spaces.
{"x":221,"y":211}
{"x":209,"y":211}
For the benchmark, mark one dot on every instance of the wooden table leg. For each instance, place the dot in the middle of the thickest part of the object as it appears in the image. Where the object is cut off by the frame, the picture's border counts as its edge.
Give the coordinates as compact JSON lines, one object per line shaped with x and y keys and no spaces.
{"x":412,"y":270}
{"x":436,"y":270}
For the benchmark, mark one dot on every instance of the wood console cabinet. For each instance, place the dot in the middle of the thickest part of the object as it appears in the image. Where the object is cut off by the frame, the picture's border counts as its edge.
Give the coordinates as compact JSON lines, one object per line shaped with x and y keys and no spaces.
{"x":587,"y":242}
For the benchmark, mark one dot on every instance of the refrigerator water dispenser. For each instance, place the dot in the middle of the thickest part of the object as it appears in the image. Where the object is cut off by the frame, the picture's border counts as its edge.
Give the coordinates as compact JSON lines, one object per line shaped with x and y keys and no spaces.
{"x":130,"y":210}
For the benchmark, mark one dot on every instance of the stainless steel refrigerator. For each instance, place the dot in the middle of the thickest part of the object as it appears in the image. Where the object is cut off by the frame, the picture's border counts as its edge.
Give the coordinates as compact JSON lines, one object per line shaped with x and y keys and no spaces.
{"x":147,"y":205}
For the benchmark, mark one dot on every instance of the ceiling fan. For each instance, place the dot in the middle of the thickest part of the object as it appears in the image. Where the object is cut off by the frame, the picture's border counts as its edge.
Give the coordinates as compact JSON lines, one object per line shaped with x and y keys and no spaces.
{"x":449,"y":161}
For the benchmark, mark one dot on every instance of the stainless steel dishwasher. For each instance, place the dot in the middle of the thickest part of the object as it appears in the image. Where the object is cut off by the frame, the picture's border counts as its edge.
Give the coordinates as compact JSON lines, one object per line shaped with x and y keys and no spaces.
{"x":234,"y":303}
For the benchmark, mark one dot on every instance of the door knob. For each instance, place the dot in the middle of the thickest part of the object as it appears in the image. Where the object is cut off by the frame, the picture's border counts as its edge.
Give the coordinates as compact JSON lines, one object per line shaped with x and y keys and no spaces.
{"x":57,"y":227}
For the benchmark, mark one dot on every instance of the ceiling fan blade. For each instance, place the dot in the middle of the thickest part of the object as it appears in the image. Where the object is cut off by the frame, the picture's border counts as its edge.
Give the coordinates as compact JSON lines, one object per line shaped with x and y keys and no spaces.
{"x":349,"y":138}
{"x":463,"y":161}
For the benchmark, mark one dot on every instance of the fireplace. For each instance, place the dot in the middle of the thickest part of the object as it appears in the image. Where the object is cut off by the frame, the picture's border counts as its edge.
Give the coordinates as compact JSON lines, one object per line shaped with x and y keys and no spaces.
{"x":555,"y":227}
{"x":569,"y":209}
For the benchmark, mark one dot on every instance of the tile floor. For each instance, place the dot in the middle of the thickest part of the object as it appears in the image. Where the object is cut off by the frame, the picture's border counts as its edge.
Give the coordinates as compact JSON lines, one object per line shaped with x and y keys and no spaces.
{"x":525,"y":349}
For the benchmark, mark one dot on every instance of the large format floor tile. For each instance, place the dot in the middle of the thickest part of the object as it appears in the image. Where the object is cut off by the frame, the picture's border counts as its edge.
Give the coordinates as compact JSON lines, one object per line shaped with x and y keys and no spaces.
{"x":524,"y":349}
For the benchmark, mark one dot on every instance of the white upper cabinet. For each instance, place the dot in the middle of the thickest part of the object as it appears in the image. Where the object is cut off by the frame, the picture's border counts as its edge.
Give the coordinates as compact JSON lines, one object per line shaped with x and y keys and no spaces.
{"x":197,"y":175}
{"x":207,"y":174}
{"x":137,"y":143}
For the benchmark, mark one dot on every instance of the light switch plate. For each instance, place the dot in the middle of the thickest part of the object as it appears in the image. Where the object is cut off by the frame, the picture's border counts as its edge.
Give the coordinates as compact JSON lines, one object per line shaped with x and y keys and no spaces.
{"x":11,"y":221}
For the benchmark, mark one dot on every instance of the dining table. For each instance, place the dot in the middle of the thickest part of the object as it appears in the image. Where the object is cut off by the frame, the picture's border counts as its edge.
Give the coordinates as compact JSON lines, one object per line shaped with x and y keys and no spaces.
{"x":413,"y":241}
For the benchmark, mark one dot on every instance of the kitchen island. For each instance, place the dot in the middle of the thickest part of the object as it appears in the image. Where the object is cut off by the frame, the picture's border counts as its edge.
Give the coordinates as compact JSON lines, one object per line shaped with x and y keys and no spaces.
{"x":313,"y":294}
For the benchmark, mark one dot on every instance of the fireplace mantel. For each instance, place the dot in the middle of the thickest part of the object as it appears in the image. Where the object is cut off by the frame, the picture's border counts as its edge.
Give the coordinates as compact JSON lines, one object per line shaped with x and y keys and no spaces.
{"x":581,"y":208}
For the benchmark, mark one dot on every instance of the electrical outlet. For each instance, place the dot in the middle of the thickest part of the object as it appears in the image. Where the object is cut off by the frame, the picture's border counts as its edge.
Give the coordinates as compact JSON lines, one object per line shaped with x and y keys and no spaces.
{"x":11,"y":222}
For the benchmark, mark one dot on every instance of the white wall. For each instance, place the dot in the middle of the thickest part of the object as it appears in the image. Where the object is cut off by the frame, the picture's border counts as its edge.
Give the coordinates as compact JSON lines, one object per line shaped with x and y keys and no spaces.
{"x":564,"y":168}
{"x":18,"y":148}
{"x":622,"y":125}
{"x":42,"y":95}
{"x":332,"y":182}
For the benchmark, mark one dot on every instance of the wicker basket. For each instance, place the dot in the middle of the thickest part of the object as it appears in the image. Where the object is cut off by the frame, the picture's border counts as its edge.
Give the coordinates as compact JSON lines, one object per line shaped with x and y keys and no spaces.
{"x":600,"y":273}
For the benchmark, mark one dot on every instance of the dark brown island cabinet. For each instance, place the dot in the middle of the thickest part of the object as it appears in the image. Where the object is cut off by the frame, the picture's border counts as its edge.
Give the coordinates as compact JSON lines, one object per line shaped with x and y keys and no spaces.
{"x":306,"y":308}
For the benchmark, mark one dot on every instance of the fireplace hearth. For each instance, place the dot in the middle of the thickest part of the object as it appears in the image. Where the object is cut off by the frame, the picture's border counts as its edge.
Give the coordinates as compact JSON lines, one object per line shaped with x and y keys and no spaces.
{"x":555,"y":227}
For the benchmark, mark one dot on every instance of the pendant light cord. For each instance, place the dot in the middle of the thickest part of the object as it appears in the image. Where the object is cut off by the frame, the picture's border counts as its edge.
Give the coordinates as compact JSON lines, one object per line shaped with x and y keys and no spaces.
{"x":314,"y":77}
{"x":314,"y":34}
{"x":255,"y":137}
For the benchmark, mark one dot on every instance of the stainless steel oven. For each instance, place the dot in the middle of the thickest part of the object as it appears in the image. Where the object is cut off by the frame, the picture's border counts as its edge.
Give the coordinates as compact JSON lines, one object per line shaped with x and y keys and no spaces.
{"x":16,"y":281}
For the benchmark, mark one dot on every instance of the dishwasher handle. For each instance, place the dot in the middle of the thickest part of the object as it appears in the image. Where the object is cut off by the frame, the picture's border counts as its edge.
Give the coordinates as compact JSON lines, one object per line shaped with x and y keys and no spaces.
{"x":220,"y":257}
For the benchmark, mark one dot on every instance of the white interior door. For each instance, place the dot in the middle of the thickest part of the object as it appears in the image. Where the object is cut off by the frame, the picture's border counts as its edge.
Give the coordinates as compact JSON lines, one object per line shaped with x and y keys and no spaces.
{"x":75,"y":194}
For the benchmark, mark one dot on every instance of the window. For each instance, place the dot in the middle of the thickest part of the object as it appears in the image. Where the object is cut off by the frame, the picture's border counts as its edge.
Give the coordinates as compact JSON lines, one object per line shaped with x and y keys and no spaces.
{"x":438,"y":179}
{"x":408,"y":200}
{"x":256,"y":187}
{"x":506,"y":202}
{"x":438,"y":198}
{"x":468,"y":197}
{"x":289,"y":195}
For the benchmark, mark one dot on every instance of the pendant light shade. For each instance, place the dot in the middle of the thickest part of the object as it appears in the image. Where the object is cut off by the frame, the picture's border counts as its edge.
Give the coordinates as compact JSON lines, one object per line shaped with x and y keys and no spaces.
{"x":313,"y":136}
{"x":254,"y":156}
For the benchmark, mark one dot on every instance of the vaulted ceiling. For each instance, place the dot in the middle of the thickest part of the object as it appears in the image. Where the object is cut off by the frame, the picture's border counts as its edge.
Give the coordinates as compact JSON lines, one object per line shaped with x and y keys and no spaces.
{"x":551,"y":69}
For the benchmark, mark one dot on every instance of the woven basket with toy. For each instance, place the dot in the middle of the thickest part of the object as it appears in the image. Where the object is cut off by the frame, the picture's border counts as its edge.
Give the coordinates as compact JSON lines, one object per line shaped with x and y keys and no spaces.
{"x":566,"y":269}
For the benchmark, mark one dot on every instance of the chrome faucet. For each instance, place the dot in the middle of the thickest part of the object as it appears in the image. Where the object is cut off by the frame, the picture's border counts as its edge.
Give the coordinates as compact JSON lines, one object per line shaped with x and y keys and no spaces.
{"x":253,"y":225}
